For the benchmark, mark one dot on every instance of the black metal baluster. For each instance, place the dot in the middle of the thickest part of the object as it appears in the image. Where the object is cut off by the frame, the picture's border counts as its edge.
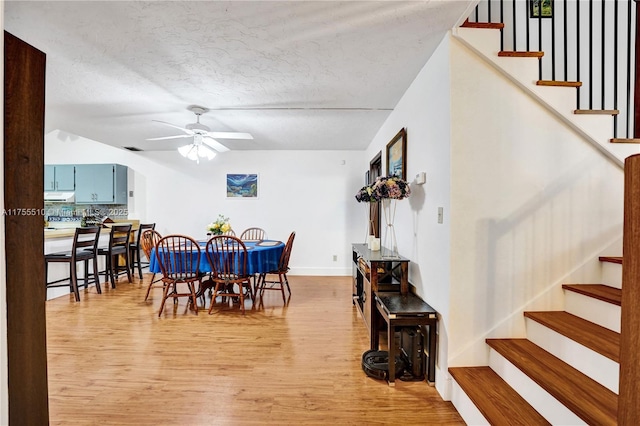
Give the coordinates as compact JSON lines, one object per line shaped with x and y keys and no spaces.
{"x":602,"y":66}
{"x":502,"y":21}
{"x":578,"y":52}
{"x":615,"y":67}
{"x":515,"y":24}
{"x":553,"y":40}
{"x":540,"y":38}
{"x":590,"y":54}
{"x":526,"y":20}
{"x":565,"y":44}
{"x":629,"y":72}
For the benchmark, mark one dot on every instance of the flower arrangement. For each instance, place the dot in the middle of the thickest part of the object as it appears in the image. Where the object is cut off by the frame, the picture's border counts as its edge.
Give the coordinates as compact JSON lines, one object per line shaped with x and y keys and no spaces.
{"x":219,"y":226}
{"x":384,"y":187}
{"x":366,"y":195}
{"x":391,"y":187}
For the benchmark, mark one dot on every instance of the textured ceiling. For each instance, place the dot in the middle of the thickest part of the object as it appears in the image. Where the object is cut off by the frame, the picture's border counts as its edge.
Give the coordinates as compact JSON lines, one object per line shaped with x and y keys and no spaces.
{"x":295,"y":74}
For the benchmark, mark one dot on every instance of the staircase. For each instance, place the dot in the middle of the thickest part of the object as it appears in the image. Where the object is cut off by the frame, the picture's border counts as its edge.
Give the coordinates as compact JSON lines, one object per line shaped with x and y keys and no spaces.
{"x":564,"y":372}
{"x":567,"y":369}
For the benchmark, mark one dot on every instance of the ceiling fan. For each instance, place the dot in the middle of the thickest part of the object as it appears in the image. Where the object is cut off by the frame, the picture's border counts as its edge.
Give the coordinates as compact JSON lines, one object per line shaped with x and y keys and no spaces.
{"x":204,"y":143}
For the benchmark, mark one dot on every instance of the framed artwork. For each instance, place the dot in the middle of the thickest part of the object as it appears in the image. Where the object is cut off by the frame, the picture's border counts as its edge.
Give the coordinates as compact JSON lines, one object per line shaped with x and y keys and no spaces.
{"x":397,"y":155}
{"x":242,"y":186}
{"x":534,"y":8}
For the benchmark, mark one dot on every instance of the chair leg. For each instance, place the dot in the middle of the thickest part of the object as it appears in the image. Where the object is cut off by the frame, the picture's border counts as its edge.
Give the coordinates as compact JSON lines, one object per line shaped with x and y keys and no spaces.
{"x":282,"y":287}
{"x":96,"y":275}
{"x":137,"y":254}
{"x":165,"y":292}
{"x":194,"y":299}
{"x":241,"y":297}
{"x":128,"y":267}
{"x":73,"y":280}
{"x":286,"y":281}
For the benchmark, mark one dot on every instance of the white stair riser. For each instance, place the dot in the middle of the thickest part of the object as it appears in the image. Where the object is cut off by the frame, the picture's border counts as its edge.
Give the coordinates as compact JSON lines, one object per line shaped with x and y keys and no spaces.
{"x":592,"y":364}
{"x":612,"y":274}
{"x":538,"y":398}
{"x":466,"y":408}
{"x":597,"y":311}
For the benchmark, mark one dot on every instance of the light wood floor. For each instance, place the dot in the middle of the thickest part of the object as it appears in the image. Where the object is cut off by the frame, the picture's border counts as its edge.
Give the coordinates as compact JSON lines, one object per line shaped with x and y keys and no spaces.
{"x":112,"y":361}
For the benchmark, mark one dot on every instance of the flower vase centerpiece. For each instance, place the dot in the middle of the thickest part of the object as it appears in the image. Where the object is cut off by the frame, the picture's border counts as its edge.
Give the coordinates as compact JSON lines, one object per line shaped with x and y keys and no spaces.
{"x":390,"y":189}
{"x":218,"y":227}
{"x":366,"y":195}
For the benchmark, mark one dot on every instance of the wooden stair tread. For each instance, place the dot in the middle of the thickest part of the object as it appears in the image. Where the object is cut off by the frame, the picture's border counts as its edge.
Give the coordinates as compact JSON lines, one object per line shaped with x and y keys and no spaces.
{"x":483,"y":25}
{"x":520,"y":54}
{"x":593,"y":336}
{"x":611,"y":259}
{"x":498,"y":402}
{"x":587,"y":398}
{"x":558,"y":83}
{"x":624,"y":140}
{"x":597,"y":111}
{"x":597,"y":291}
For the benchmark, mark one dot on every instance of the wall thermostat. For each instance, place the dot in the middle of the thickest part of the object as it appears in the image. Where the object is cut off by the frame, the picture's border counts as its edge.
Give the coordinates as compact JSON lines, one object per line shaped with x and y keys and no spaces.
{"x":421,"y":178}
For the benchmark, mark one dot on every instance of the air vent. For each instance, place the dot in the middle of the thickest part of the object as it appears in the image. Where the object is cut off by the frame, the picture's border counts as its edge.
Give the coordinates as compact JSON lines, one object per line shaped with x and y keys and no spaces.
{"x":132,"y":148}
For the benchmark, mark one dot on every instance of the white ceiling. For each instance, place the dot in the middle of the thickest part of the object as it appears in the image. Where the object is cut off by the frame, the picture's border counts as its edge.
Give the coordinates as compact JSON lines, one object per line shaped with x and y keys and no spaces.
{"x":294,"y":74}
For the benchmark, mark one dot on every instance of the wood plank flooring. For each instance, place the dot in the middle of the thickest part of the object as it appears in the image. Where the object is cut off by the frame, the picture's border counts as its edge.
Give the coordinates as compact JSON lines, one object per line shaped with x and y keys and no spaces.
{"x":112,"y":361}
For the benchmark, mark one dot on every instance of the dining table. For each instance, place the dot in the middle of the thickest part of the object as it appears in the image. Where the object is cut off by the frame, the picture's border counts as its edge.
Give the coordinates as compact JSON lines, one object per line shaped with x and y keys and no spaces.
{"x":262,"y":256}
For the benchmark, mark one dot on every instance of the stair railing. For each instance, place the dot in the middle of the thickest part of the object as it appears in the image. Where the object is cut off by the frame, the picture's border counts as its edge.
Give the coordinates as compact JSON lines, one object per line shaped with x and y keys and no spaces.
{"x":587,"y":41}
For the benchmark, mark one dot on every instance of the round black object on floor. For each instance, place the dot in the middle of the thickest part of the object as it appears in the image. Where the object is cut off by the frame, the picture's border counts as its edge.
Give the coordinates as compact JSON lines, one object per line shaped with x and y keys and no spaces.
{"x":376,"y":364}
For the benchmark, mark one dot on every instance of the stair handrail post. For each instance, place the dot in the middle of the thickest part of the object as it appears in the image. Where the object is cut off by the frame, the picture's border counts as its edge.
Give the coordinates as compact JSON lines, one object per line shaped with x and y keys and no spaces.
{"x":629,"y":389}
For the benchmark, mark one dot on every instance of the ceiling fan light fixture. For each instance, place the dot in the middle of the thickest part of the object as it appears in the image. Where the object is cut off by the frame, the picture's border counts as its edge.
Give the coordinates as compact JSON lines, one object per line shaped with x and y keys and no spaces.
{"x":196,"y":151}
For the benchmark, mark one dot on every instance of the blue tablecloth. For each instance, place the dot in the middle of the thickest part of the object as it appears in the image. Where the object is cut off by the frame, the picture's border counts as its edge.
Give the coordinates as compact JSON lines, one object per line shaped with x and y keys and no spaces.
{"x":262,"y":257}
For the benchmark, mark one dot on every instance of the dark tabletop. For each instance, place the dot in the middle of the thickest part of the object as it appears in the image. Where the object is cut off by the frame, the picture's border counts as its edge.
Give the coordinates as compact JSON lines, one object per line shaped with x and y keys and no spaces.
{"x":395,"y":303}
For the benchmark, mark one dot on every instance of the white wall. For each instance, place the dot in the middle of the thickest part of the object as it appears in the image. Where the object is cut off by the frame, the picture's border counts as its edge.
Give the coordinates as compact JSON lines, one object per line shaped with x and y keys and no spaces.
{"x":424,"y":112}
{"x":531,"y":202}
{"x":4,"y":384}
{"x":310,"y":192}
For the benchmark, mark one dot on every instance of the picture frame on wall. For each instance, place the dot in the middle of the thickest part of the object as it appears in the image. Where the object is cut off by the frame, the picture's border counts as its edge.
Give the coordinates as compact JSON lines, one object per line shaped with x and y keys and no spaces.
{"x":242,"y":185}
{"x":535,"y":8}
{"x":397,"y":155}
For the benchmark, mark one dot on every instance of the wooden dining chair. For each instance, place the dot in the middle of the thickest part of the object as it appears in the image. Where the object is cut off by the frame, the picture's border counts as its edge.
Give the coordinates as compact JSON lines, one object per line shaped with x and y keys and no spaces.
{"x":134,"y":249}
{"x":84,"y":249}
{"x":148,"y":241}
{"x":119,"y":238}
{"x":269,"y":281}
{"x":227,"y":257}
{"x":179,"y":260}
{"x":253,"y":234}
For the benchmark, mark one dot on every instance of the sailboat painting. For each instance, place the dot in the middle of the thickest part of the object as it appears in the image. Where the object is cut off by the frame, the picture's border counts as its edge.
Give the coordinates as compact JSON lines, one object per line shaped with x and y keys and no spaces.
{"x":242,"y":186}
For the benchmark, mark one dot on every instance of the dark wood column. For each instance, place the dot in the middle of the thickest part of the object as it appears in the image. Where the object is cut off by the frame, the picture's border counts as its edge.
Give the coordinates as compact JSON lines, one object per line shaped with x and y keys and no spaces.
{"x":629,"y":392}
{"x":24,"y":91}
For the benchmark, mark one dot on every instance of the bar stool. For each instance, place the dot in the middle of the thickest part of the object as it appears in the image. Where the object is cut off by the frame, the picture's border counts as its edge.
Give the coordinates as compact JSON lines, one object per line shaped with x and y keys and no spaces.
{"x":118,"y":245}
{"x":134,"y":249}
{"x":84,"y":249}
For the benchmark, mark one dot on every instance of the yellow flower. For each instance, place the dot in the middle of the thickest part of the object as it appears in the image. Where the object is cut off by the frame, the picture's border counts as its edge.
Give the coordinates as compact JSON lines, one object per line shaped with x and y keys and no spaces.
{"x":225,"y":227}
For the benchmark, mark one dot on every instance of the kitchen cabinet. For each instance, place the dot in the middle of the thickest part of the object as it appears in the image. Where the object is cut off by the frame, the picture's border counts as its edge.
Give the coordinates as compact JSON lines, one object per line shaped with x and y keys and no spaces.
{"x":59,"y":177}
{"x":101,"y":184}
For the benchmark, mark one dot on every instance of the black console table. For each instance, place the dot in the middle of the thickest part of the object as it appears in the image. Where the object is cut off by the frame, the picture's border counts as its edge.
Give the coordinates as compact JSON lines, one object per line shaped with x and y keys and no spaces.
{"x":399,"y":310}
{"x":373,"y":272}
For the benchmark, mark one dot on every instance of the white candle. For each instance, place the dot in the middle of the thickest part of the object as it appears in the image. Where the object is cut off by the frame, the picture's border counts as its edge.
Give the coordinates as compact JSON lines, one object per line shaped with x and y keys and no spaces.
{"x":375,"y":244}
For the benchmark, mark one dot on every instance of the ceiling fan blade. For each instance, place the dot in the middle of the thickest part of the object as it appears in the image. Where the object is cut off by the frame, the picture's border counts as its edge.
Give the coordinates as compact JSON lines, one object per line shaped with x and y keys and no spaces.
{"x":187,"y":131}
{"x":209,"y":141}
{"x":170,"y":137}
{"x":230,"y":135}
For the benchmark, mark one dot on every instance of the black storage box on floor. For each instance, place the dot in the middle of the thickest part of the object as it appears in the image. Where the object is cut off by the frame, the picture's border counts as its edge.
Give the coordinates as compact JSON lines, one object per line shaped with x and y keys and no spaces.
{"x":376,"y":364}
